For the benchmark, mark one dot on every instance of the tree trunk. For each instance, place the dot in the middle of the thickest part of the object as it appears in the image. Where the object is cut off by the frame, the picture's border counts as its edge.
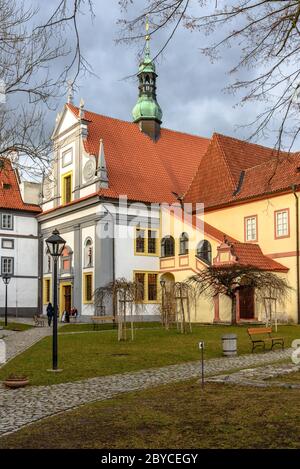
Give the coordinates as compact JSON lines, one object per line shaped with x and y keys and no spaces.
{"x":233,"y":310}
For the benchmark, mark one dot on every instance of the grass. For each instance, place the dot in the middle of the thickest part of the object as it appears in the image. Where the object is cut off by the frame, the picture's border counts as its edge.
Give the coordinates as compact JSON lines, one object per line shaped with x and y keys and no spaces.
{"x":173,"y":416}
{"x":103,"y":327}
{"x":88,"y":355}
{"x":15,"y":326}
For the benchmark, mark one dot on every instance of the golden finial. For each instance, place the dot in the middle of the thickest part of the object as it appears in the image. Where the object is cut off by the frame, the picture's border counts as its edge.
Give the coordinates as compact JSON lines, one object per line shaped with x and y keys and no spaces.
{"x":147,"y":33}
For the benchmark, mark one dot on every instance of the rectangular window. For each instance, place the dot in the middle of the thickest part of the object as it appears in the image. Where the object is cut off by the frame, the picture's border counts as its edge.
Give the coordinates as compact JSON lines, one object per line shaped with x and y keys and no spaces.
{"x":7,"y":243}
{"x":47,"y":291}
{"x":140,"y":241}
{"x":152,"y":287}
{"x":282,"y":223}
{"x":146,"y":241}
{"x":67,"y":157}
{"x":7,"y":265}
{"x":67,"y":188}
{"x":251,"y":228}
{"x":152,"y":235}
{"x":7,"y":221}
{"x":88,"y":288}
{"x":146,"y":286}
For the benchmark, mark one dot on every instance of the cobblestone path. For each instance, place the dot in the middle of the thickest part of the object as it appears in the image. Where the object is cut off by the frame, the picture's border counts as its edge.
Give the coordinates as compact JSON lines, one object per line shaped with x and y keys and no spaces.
{"x":20,"y":407}
{"x":261,"y":377}
{"x":17,"y":342}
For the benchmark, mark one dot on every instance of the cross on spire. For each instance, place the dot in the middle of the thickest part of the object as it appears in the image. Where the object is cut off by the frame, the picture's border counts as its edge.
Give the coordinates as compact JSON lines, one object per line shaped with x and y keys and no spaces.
{"x":70,"y":92}
{"x":147,"y":36}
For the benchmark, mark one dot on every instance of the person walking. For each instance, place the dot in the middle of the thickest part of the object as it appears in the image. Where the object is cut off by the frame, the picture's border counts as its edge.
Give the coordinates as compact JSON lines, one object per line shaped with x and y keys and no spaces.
{"x":50,"y":313}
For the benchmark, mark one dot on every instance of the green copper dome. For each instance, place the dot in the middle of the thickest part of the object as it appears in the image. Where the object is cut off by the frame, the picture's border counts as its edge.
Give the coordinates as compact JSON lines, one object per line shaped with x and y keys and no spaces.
{"x":146,"y":108}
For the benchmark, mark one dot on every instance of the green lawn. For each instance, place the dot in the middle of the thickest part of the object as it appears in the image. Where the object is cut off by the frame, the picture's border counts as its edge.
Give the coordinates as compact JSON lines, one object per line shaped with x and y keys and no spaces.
{"x":173,"y":416}
{"x":103,"y":327}
{"x":15,"y":326}
{"x":87,"y":355}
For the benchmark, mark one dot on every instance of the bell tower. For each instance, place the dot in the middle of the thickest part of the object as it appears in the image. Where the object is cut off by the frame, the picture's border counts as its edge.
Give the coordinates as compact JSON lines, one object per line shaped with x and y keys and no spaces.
{"x":147,"y":112}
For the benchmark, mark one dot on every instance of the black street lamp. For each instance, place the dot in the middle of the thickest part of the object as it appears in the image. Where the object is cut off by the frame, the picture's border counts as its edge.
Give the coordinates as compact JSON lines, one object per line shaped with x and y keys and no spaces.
{"x":55,"y":246}
{"x":6,"y":279}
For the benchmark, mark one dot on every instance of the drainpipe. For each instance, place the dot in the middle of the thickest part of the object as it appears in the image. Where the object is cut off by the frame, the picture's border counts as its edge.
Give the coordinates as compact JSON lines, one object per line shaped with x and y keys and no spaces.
{"x":297,"y":249}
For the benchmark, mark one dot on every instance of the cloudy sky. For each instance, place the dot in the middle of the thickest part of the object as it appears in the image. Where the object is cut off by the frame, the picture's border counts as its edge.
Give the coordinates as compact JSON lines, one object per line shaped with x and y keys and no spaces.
{"x":190,"y":88}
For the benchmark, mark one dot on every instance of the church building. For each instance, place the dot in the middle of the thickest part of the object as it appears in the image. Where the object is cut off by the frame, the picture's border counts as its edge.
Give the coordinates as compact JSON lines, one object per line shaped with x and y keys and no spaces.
{"x":104,"y":194}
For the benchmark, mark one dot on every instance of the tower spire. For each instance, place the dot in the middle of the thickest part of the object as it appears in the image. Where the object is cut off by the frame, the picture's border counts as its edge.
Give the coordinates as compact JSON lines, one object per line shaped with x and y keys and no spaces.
{"x":147,"y":37}
{"x":147,"y":112}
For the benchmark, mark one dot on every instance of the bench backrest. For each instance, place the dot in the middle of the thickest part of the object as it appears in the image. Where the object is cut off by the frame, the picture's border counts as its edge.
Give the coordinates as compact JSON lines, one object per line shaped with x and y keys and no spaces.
{"x":259,"y":330}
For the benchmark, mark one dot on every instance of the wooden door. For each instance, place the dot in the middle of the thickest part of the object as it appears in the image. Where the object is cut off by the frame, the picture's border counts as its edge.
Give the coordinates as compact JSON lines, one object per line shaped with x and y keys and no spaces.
{"x":68,"y":298}
{"x":246,"y":303}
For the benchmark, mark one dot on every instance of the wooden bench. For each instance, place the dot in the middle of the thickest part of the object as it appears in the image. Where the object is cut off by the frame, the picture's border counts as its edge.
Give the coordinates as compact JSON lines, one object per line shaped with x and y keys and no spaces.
{"x":38,"y":322}
{"x":256,"y":333}
{"x":99,"y":319}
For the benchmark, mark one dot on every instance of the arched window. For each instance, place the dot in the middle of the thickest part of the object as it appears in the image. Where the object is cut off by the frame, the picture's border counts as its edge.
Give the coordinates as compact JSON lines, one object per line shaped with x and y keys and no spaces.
{"x":88,"y":253}
{"x":204,"y":251}
{"x":184,"y":244}
{"x":167,"y":246}
{"x":66,"y":259}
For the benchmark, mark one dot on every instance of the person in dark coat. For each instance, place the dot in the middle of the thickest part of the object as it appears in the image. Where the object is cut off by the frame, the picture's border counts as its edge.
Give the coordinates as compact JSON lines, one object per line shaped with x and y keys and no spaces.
{"x":50,"y":313}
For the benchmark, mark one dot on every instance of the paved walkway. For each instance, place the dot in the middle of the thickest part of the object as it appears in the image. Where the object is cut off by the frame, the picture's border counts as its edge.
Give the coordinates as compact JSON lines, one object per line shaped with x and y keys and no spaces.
{"x":261,"y":377}
{"x":17,"y":342}
{"x":22,"y":406}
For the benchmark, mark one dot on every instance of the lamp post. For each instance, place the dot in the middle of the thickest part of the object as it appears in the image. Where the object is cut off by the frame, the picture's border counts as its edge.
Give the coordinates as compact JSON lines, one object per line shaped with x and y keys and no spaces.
{"x":55,"y":246}
{"x":6,"y":279}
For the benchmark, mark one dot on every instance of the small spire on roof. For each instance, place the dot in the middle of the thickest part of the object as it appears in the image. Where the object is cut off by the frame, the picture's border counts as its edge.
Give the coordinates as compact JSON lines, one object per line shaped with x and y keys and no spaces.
{"x":102,"y":169}
{"x":81,"y":108}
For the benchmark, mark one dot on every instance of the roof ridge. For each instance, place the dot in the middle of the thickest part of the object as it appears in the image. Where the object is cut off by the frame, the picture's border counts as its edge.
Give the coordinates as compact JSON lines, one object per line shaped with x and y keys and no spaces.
{"x":225,"y":159}
{"x":273,"y":158}
{"x":132,"y":123}
{"x":248,"y":143}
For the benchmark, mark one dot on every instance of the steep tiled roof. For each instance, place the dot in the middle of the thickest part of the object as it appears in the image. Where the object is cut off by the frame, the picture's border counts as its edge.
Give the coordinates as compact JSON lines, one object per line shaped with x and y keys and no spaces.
{"x":249,"y":254}
{"x":10,"y":195}
{"x":142,"y":169}
{"x":233,"y":170}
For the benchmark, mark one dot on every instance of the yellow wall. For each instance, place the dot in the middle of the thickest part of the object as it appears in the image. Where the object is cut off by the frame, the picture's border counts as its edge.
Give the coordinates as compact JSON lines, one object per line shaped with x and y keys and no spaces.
{"x":231,"y":221}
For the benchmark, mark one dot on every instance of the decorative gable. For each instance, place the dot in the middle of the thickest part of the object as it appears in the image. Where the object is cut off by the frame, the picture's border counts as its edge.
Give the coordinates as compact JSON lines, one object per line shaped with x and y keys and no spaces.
{"x":225,"y":254}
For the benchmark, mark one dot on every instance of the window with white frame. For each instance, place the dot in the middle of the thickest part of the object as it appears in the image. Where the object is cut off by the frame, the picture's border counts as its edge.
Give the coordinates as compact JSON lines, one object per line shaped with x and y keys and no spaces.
{"x":282,"y":223}
{"x":7,"y":221}
{"x":7,"y":265}
{"x":251,"y":228}
{"x":7,"y":243}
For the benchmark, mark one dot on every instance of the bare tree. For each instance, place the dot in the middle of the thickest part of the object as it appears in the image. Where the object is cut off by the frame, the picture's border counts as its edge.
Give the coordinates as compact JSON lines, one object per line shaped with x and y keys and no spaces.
{"x":268,"y":35}
{"x":36,"y":59}
{"x":124,"y":298}
{"x":228,"y":280}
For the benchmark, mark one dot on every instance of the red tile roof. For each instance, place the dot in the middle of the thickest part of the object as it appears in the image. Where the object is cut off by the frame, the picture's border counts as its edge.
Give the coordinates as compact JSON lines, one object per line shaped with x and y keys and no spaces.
{"x":218,"y":179}
{"x":249,"y":254}
{"x":137,"y":166}
{"x":10,"y":195}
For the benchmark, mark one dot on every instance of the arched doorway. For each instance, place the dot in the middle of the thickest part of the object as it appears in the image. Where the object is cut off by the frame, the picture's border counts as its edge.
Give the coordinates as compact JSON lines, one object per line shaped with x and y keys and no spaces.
{"x":167,"y":282}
